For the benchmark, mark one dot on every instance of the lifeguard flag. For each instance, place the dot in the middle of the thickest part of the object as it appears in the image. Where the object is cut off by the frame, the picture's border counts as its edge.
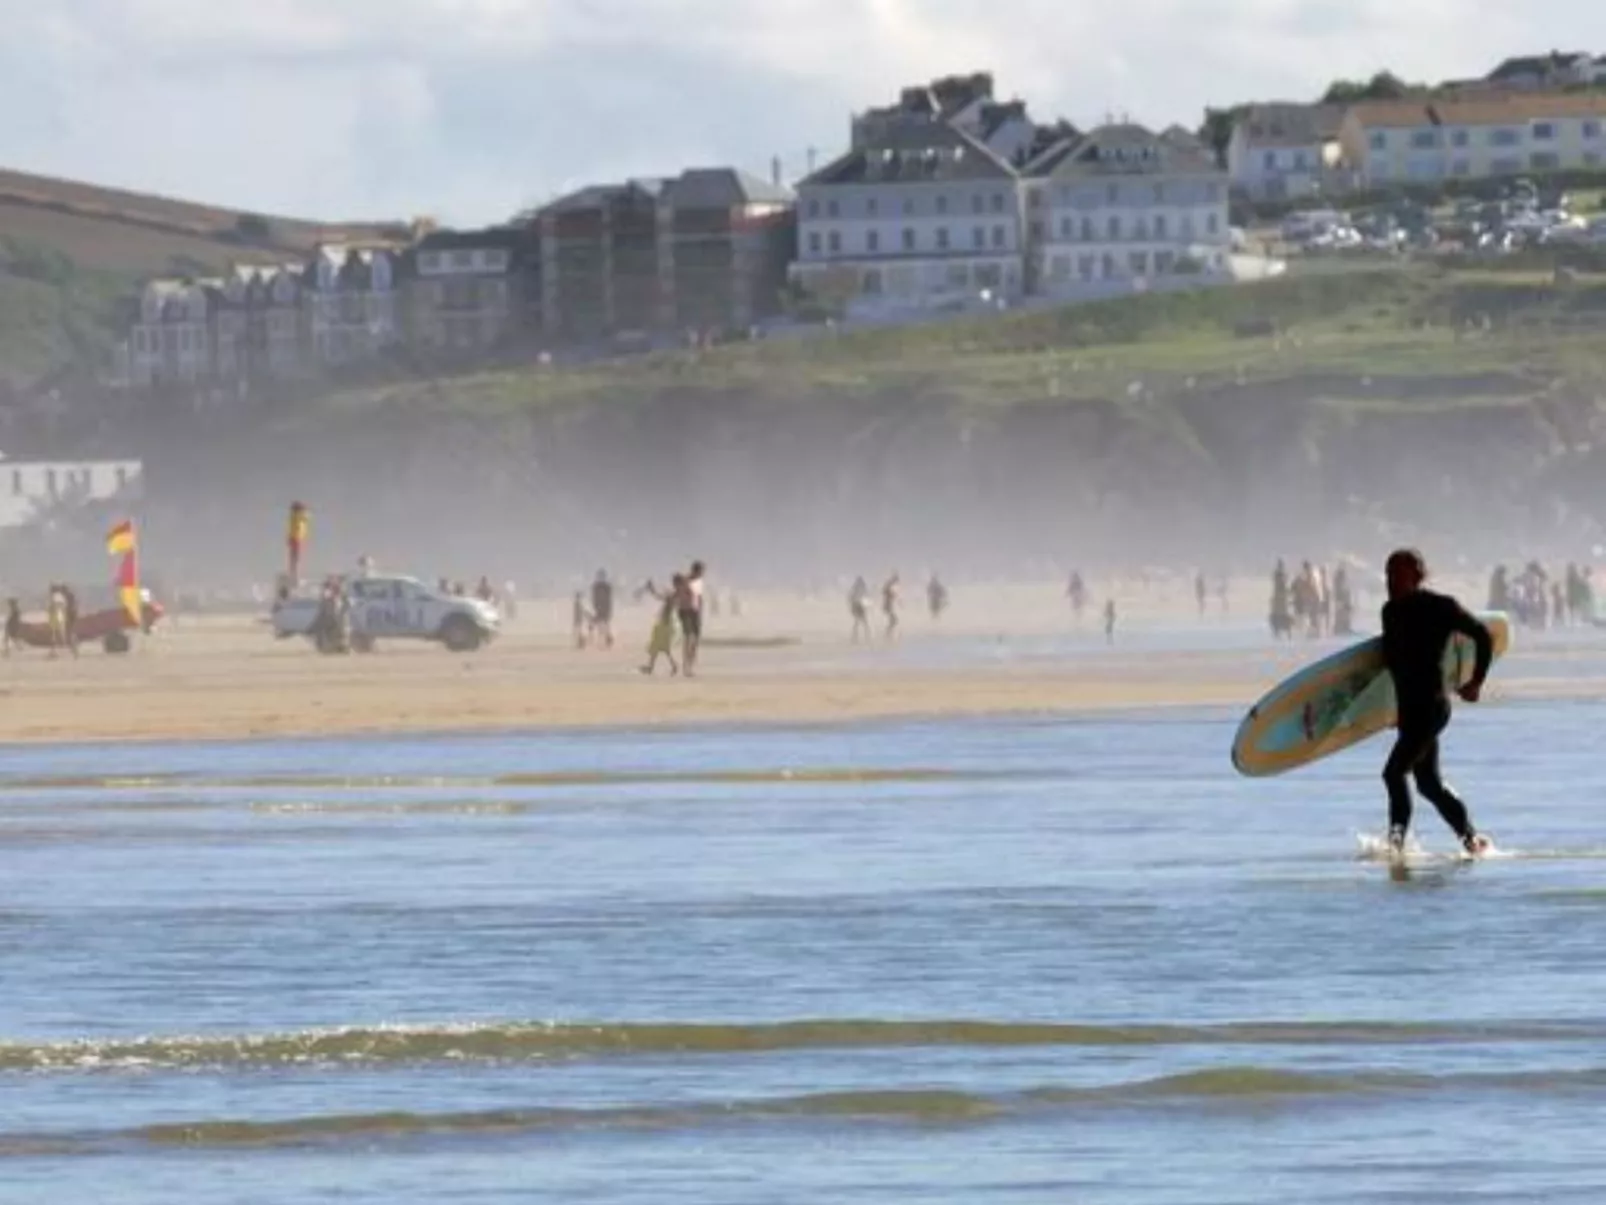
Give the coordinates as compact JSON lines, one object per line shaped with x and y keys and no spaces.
{"x":296,"y":536}
{"x":121,"y":539}
{"x":121,"y":542}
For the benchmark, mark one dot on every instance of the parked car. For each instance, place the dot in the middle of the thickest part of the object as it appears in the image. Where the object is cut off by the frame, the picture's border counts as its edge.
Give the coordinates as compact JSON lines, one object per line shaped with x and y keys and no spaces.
{"x":395,"y":608}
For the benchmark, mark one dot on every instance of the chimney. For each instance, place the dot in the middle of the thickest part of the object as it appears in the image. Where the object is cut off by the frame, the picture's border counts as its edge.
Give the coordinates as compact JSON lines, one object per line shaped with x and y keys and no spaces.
{"x":775,"y":171}
{"x":811,"y":160}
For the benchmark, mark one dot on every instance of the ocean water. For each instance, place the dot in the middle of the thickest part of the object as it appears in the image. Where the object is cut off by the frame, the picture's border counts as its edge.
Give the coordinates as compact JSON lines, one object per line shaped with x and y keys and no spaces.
{"x":1028,"y":960}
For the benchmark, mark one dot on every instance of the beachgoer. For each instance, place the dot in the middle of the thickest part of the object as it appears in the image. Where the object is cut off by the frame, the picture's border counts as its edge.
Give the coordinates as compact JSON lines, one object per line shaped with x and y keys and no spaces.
{"x":936,"y":596}
{"x":602,"y":608}
{"x":1109,"y":621}
{"x":57,"y":614}
{"x":859,"y":608}
{"x":662,"y":641}
{"x":690,"y":614}
{"x":1417,"y":626}
{"x":580,"y":620}
{"x":889,"y":605}
{"x":13,"y":637}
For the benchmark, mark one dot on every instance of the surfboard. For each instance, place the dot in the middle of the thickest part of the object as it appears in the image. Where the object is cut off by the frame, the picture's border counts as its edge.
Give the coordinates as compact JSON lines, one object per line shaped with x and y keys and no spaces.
{"x":1339,"y":701}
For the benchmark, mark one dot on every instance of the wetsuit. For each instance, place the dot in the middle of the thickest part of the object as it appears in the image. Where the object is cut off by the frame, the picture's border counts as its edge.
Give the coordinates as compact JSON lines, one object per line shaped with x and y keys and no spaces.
{"x":1416,"y":629}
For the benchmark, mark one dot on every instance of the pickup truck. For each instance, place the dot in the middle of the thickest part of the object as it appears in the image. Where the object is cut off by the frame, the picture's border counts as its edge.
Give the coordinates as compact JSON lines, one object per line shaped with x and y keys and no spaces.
{"x":396,"y":608}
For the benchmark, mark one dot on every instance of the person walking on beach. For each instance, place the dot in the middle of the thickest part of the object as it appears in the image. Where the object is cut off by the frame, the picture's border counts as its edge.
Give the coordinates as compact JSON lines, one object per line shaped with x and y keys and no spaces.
{"x":1109,"y":622}
{"x":56,"y":613}
{"x":689,"y":610}
{"x":859,"y":609}
{"x":662,"y":641}
{"x":602,"y":608}
{"x":13,"y":637}
{"x":889,"y":605}
{"x":1417,"y":626}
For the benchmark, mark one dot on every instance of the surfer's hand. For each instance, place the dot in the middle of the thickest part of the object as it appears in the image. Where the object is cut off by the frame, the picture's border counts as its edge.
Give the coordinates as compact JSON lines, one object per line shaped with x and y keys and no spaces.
{"x":1471,"y":692}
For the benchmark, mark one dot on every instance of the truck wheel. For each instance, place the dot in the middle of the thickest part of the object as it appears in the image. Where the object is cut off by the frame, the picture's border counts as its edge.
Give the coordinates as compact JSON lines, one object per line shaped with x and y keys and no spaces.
{"x":461,"y":635}
{"x":116,"y":642}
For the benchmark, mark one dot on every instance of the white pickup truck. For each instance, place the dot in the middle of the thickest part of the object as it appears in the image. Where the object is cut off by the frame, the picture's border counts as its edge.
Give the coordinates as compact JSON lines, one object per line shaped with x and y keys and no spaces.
{"x":396,"y":608}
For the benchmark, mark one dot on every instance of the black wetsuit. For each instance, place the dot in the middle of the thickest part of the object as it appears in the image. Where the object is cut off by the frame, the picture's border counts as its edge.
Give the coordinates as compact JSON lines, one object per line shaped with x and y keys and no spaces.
{"x":1416,"y":629}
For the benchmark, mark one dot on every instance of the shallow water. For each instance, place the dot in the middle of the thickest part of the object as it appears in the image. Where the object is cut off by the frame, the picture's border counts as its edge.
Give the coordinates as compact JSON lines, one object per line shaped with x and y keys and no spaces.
{"x":1026,"y":960}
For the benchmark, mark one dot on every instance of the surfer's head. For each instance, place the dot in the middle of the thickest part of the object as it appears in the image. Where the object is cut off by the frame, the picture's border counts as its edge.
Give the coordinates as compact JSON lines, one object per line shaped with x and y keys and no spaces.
{"x":1406,"y":570}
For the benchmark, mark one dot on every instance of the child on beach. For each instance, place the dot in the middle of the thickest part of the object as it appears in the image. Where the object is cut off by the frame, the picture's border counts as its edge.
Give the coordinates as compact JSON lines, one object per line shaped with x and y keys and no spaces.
{"x":662,"y":640}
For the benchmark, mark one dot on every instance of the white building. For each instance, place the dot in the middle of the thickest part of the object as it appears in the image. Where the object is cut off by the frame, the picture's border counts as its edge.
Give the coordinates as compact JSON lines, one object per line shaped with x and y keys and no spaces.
{"x":171,"y":343}
{"x":354,"y":304}
{"x":1281,"y":150}
{"x":1123,"y":206}
{"x":918,"y":213}
{"x":28,"y":487}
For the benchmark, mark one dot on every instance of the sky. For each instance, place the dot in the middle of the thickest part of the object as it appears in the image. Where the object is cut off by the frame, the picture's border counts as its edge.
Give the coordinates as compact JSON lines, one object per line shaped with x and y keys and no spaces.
{"x":470,"y":110}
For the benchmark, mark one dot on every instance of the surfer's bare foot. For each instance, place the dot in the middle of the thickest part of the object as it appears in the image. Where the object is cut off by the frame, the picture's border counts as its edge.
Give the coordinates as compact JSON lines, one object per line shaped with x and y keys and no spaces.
{"x":1476,"y":844}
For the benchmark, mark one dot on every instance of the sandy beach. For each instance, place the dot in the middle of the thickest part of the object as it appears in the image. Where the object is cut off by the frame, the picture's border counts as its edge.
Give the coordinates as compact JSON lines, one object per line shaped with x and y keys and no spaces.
{"x":785,"y":660}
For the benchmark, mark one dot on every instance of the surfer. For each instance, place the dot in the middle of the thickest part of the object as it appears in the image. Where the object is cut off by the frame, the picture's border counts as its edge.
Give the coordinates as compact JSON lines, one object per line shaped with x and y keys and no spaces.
{"x":1417,"y":626}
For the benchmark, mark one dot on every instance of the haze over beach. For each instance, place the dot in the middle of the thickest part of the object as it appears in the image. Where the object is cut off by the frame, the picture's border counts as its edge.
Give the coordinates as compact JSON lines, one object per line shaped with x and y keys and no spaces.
{"x":621,"y":595}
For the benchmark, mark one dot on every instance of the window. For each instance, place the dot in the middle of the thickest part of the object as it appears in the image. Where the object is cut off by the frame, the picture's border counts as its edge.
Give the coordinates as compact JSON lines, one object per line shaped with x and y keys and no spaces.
{"x":1085,"y":266}
{"x":462,"y":259}
{"x":1271,"y":161}
{"x":976,"y":204}
{"x":814,"y":207}
{"x":872,"y":241}
{"x":1301,"y":161}
{"x":1503,"y":137}
{"x":872,"y":206}
{"x":830,"y":209}
{"x":1378,"y":140}
{"x":978,"y":238}
{"x":1087,"y":230}
{"x":1067,"y":229}
{"x":908,"y":206}
{"x":942,"y":203}
{"x":1544,"y":161}
{"x":1424,"y":140}
{"x":833,"y":242}
{"x":1591,"y":158}
{"x":1458,"y":138}
{"x":1163,"y":262}
{"x":1159,"y":194}
{"x":429,"y":261}
{"x":1138,"y":262}
{"x":1112,"y":193}
{"x":1140,"y":228}
{"x":908,"y":238}
{"x":1460,"y":167}
{"x":1506,"y":165}
{"x":872,"y":282}
{"x":1212,"y":223}
{"x":1159,"y":225}
{"x":1114,"y":226}
{"x":942,"y":238}
{"x":998,"y":202}
{"x":1591,"y":129}
{"x":1544,"y":131}
{"x":998,"y":236}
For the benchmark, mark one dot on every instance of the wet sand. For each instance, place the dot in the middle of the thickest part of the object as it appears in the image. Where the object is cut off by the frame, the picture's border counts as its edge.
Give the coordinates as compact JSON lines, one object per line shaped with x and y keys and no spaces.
{"x":785,"y":661}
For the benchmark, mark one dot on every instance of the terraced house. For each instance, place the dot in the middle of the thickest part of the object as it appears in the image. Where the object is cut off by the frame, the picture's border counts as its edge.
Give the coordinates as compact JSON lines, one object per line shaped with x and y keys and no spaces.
{"x":466,"y":289}
{"x":1393,"y":142}
{"x":1123,"y":204}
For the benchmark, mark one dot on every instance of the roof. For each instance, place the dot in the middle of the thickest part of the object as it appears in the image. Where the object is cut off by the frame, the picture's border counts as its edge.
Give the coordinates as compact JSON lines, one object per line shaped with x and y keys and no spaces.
{"x":1539,"y":64}
{"x":595,"y":196}
{"x":453,"y":240}
{"x":1480,"y":110}
{"x":723,"y":188}
{"x":1123,"y":148}
{"x":1283,"y":123}
{"x":913,"y":151}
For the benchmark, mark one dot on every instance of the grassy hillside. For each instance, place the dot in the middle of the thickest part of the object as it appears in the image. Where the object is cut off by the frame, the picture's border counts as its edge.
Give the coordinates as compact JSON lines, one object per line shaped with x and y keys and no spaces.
{"x":1394,"y":324}
{"x":70,"y":252}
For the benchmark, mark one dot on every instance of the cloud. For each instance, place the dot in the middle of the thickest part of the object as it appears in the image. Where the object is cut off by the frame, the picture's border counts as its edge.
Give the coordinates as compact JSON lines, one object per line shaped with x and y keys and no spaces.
{"x":471,"y":109}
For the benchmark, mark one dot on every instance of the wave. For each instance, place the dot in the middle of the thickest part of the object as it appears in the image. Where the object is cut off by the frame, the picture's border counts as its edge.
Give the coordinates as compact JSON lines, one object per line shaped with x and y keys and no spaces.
{"x":1215,"y":1088}
{"x":556,"y":778}
{"x":401,"y":1045}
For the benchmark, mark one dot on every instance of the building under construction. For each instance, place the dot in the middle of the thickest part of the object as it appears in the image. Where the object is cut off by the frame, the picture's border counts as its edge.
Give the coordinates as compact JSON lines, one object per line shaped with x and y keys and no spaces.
{"x":703,"y":252}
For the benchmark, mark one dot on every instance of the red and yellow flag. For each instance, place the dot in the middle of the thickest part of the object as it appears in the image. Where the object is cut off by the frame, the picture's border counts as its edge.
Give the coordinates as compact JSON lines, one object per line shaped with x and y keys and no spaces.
{"x":121,"y":542}
{"x":121,"y":539}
